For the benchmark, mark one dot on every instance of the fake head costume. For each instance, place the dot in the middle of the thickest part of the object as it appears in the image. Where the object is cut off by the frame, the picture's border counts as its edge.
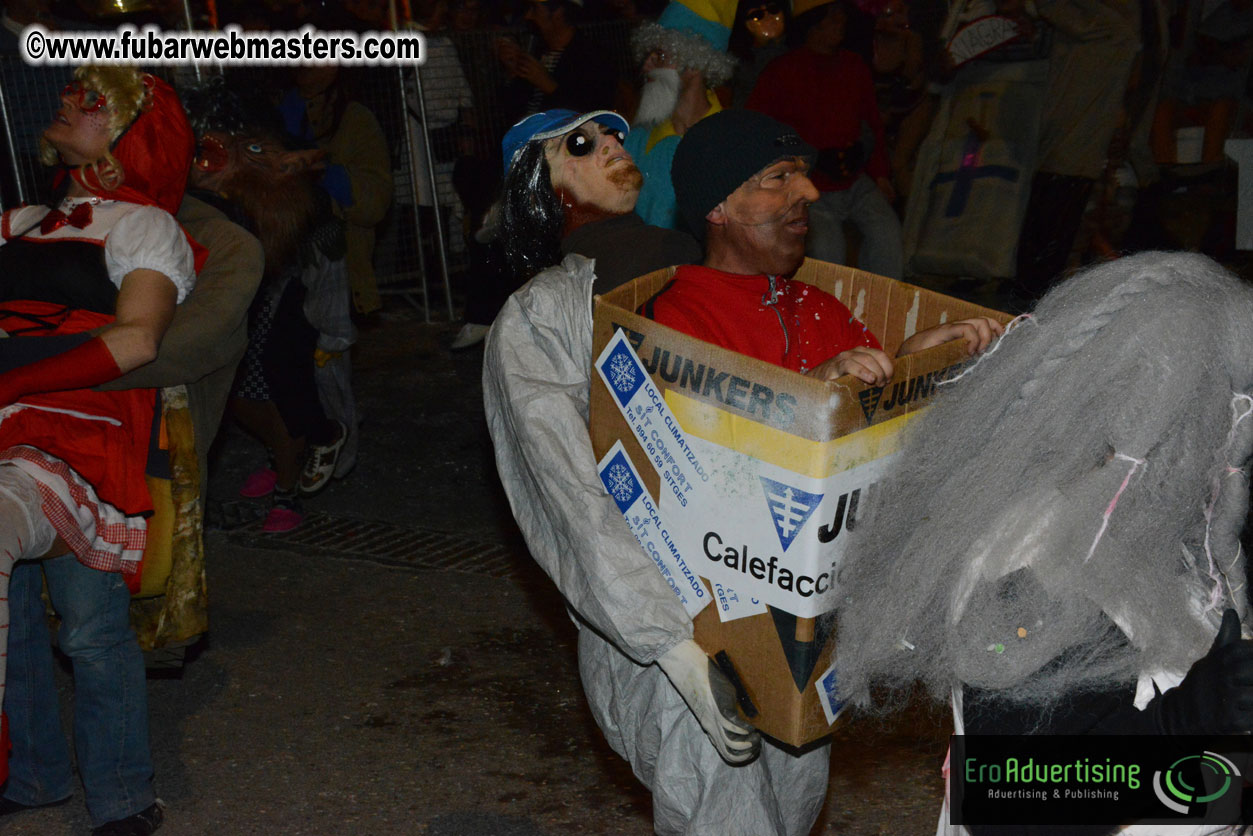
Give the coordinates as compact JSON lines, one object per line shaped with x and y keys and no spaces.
{"x":532,"y":214}
{"x":241,"y":154}
{"x":1067,"y":515}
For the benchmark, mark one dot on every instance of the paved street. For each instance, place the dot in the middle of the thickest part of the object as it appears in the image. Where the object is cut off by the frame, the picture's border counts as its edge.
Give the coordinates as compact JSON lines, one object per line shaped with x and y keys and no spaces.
{"x":399,"y":665}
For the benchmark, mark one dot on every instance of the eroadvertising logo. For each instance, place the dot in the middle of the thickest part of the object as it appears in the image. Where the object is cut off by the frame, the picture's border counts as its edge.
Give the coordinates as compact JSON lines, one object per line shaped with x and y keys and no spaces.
{"x":1097,"y":780}
{"x":1174,"y":789}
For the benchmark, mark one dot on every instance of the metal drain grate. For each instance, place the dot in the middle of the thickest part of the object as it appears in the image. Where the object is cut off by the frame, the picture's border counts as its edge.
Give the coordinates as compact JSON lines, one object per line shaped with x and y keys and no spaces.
{"x":385,"y":543}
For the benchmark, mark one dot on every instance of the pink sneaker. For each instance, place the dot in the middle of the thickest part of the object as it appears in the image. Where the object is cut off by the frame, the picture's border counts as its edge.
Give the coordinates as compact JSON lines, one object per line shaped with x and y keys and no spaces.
{"x":281,"y":520}
{"x":259,"y":483}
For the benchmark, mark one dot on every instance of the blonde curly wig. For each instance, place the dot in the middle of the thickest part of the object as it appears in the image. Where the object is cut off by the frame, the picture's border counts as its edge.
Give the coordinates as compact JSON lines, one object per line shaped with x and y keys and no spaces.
{"x":126,"y":95}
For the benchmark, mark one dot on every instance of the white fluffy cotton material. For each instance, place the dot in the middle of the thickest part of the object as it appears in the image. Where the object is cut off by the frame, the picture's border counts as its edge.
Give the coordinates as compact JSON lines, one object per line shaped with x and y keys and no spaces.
{"x":1061,"y":488}
{"x":659,"y":96}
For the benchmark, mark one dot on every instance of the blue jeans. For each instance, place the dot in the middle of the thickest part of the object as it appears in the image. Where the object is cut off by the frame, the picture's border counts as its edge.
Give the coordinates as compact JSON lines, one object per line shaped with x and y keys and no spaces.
{"x":110,"y":692}
{"x":882,"y":247}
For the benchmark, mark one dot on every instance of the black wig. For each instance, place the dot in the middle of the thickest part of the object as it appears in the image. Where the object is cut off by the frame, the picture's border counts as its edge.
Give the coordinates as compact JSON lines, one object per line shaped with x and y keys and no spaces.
{"x":531,"y":214}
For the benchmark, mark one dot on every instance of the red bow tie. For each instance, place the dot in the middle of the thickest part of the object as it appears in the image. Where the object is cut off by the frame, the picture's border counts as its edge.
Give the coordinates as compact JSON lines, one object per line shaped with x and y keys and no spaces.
{"x":79,"y":218}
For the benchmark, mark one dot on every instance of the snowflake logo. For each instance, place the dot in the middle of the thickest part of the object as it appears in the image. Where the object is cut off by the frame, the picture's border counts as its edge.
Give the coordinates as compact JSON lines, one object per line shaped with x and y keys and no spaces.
{"x":790,"y":508}
{"x":621,"y":482}
{"x":622,"y":373}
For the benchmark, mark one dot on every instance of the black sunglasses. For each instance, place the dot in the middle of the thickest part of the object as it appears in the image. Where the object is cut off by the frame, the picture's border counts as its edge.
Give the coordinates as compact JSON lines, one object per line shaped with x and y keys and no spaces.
{"x":763,"y":11}
{"x":578,"y":144}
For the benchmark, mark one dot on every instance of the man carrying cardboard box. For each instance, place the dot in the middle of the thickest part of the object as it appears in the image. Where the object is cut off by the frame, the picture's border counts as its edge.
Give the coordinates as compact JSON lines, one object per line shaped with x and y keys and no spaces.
{"x":651,"y":689}
{"x":752,"y":208}
{"x":660,"y":702}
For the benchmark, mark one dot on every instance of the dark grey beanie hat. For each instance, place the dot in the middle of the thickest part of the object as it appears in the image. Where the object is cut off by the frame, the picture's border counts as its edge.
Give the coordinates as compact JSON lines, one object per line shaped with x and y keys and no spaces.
{"x":720,"y":152}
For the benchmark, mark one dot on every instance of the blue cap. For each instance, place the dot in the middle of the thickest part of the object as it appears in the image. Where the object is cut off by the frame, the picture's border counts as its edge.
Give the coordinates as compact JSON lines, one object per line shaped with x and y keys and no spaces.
{"x":550,"y":123}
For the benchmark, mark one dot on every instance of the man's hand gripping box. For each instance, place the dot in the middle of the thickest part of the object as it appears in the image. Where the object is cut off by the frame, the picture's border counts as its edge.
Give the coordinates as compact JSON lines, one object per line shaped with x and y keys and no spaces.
{"x":742,"y":479}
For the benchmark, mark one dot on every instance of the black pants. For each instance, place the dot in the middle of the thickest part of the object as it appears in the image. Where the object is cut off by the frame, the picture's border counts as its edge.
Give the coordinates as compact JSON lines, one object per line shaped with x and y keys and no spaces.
{"x":489,"y":282}
{"x":1054,"y":213}
{"x":287,"y":362}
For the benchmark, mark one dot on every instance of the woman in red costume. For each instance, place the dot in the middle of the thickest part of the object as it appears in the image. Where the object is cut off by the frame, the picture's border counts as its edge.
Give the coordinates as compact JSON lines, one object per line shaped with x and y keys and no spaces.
{"x":87,"y":290}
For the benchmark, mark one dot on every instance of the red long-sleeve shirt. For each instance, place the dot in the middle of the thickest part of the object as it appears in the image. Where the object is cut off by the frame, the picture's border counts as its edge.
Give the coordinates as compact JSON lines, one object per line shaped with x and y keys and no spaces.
{"x":825,"y":99}
{"x":804,"y":328}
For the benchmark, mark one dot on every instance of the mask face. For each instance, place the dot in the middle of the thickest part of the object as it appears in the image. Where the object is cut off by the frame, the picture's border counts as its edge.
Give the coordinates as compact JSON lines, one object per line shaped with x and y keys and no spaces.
{"x":590,"y":167}
{"x":765,"y":23}
{"x":270,"y":185}
{"x":220,"y":153}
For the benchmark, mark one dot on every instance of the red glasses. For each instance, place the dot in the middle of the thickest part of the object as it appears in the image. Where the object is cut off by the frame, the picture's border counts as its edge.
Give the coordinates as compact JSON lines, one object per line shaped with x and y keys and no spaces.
{"x":88,"y":101}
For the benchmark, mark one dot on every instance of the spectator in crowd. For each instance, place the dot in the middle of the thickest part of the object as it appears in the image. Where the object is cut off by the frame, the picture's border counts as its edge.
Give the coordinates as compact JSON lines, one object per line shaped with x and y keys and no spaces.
{"x":825,"y":92}
{"x":358,"y":174}
{"x":683,"y":57}
{"x":1134,"y":187}
{"x":449,"y":105}
{"x":450,"y":129}
{"x":245,"y":170}
{"x":466,"y":17}
{"x":758,"y":36}
{"x":30,"y":101}
{"x":1207,"y":75}
{"x":570,"y":69}
{"x":973,"y":170}
{"x":900,"y":85}
{"x":1095,"y":43}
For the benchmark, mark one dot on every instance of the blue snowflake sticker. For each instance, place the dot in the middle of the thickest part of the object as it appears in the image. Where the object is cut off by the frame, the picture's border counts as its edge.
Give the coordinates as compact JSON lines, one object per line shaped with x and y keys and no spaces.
{"x":624,"y":373}
{"x":621,"y":482}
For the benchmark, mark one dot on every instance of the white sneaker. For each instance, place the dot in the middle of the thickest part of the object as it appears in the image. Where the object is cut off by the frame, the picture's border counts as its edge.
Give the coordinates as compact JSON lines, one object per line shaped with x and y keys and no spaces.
{"x":490,"y":229}
{"x":470,"y":334}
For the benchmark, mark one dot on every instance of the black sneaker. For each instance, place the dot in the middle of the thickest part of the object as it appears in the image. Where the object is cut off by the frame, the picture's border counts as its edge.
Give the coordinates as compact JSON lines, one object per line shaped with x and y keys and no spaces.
{"x":8,"y":806}
{"x":143,"y":823}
